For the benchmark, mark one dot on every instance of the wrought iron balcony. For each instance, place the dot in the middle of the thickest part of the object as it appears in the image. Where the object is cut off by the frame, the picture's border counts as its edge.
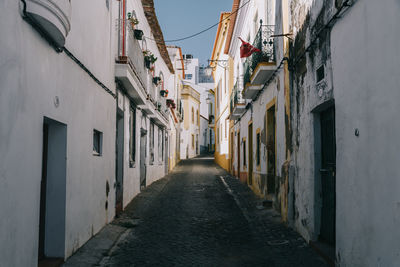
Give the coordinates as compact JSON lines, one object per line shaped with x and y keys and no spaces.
{"x":238,"y":103}
{"x":130,"y":69}
{"x":260,"y":66}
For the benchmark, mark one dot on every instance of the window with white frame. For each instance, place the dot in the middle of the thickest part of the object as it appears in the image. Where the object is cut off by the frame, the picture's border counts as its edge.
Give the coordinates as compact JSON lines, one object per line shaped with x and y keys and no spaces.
{"x":97,"y":143}
{"x":151,"y":143}
{"x":160,"y":145}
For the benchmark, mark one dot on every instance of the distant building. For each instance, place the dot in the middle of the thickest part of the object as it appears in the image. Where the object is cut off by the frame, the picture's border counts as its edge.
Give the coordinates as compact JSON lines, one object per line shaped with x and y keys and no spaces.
{"x":220,"y":63}
{"x":190,"y":128}
{"x":200,"y":78}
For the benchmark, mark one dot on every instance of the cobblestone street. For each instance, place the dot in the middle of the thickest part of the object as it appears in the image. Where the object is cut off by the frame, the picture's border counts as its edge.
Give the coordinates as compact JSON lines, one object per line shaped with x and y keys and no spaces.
{"x":200,"y":216}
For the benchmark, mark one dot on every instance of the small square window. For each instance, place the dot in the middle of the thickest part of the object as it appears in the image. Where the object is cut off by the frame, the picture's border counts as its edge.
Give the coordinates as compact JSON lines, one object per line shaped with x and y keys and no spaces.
{"x":97,"y":143}
{"x":320,"y":73}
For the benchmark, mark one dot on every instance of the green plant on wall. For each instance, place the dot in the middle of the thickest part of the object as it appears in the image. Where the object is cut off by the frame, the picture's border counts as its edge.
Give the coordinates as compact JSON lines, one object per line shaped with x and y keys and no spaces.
{"x":149,"y":56}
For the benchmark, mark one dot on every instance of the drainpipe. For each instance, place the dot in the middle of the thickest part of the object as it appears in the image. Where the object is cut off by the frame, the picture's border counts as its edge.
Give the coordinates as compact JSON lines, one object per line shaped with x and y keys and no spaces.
{"x":119,"y":31}
{"x":123,"y":26}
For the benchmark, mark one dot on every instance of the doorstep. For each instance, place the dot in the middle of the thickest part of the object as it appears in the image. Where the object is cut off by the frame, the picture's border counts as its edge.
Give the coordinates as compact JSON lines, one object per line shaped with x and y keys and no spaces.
{"x":325,"y":251}
{"x":50,"y":262}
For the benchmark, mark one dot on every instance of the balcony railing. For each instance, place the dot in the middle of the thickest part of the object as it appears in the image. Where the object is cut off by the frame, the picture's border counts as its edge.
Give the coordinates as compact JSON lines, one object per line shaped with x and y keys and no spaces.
{"x":238,"y":103}
{"x":265,"y":43}
{"x":131,"y":53}
{"x":236,"y":96}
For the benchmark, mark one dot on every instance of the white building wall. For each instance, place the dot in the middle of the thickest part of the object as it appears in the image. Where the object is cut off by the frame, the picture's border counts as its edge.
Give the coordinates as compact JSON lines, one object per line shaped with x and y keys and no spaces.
{"x":221,"y":76}
{"x":366,"y":85}
{"x":247,"y":26}
{"x":154,"y":170}
{"x":32,"y":77}
{"x":131,"y":173}
{"x":187,"y":150}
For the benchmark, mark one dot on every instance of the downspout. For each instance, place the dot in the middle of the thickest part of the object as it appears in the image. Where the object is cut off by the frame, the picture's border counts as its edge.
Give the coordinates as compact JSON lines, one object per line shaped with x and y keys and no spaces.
{"x":123,"y":26}
{"x":119,"y":31}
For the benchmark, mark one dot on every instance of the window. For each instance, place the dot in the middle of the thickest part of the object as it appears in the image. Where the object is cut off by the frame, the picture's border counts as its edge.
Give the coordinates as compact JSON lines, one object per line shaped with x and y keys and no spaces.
{"x":193,"y":141}
{"x":198,"y":117}
{"x":188,"y":76}
{"x":220,"y":133}
{"x":226,"y":127}
{"x":160,"y":145}
{"x":255,"y":23}
{"x":258,"y":149}
{"x":320,"y":73}
{"x":151,"y":143}
{"x":132,"y":136}
{"x":219,"y":93}
{"x":97,"y":143}
{"x":192,"y":115}
{"x":225,"y":84}
{"x":244,"y":152}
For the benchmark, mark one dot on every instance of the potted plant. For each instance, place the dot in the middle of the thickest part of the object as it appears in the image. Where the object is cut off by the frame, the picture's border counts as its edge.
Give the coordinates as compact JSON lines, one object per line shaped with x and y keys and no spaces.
{"x":149,"y":58}
{"x":171,"y":103}
{"x":156,"y":80}
{"x":138,"y":34}
{"x":159,"y":106}
{"x":164,"y":93}
{"x":132,"y":20}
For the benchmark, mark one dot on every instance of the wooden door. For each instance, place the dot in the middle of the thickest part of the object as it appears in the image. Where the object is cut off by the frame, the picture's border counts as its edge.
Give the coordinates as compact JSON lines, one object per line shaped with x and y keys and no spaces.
{"x":143,"y":151}
{"x":238,"y":154}
{"x":328,"y":176}
{"x":119,"y":179}
{"x":250,"y":176}
{"x":271,"y":153}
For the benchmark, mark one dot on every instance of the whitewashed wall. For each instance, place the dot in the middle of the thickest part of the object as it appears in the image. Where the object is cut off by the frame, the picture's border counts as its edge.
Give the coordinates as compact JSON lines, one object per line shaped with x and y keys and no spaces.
{"x":32,"y":75}
{"x":366,"y":71}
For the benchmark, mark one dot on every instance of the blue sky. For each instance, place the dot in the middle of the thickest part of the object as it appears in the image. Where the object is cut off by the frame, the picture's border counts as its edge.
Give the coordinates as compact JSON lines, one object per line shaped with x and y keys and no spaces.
{"x":181,"y":18}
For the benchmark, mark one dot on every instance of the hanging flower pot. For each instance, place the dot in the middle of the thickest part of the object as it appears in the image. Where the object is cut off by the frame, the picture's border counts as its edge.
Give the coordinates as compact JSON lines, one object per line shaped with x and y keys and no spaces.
{"x":164,"y":93}
{"x":147,"y":63}
{"x":132,"y":20}
{"x":149,"y":58}
{"x":156,"y":80}
{"x":138,"y":34}
{"x":171,"y":103}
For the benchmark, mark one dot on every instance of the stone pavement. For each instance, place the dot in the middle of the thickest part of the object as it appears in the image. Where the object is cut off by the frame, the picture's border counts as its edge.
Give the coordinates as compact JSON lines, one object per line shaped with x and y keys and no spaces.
{"x":197,"y":216}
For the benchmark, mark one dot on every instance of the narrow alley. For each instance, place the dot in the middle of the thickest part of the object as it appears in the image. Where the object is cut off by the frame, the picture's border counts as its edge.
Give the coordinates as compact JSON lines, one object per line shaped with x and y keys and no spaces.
{"x":200,"y":216}
{"x":199,"y":133}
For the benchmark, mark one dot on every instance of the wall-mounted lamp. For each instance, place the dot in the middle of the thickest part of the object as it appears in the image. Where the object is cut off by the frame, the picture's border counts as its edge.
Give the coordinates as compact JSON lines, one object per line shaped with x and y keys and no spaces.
{"x":214,"y":63}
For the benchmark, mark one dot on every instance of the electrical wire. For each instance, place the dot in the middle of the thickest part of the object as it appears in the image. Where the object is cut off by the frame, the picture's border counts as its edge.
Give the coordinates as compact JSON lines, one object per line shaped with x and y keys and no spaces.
{"x":206,"y":29}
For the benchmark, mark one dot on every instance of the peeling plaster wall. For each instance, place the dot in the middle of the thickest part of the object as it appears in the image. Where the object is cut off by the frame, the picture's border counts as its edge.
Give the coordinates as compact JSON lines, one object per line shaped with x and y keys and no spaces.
{"x":308,"y":17}
{"x":274,"y":92}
